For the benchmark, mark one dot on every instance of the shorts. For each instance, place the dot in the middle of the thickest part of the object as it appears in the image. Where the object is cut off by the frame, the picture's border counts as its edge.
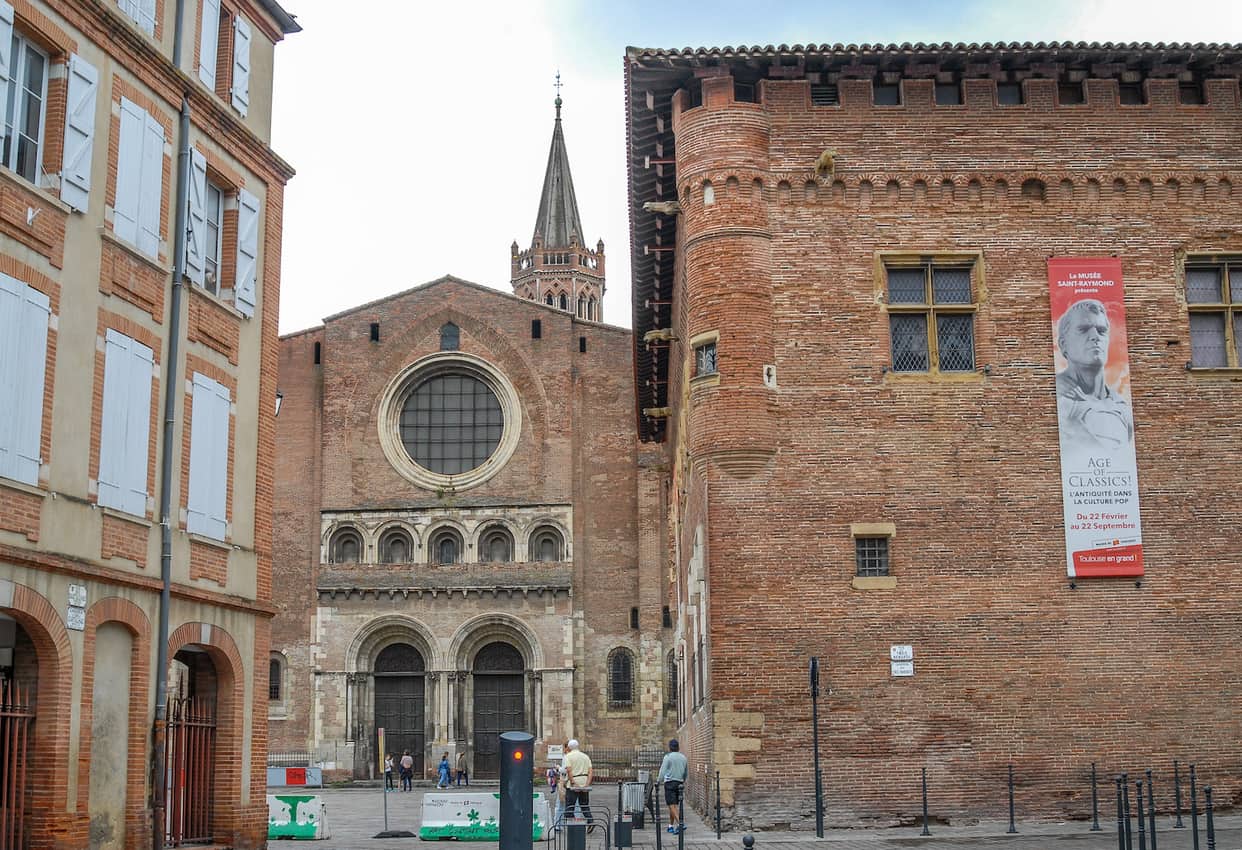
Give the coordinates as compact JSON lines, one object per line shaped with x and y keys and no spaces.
{"x":672,"y":792}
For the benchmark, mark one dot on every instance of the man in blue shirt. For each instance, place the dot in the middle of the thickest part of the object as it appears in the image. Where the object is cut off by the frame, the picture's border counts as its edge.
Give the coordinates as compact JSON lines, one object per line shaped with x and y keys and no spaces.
{"x":673,"y":772}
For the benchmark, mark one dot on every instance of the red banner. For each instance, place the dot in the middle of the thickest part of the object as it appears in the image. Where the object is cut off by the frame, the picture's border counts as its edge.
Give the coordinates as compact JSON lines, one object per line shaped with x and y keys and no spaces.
{"x":1099,"y":471}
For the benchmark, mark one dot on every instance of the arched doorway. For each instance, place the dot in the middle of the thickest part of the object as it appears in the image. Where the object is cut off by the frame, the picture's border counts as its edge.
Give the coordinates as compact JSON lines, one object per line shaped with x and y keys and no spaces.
{"x":499,"y":703}
{"x":19,"y":684}
{"x":400,"y":697}
{"x":190,"y":747}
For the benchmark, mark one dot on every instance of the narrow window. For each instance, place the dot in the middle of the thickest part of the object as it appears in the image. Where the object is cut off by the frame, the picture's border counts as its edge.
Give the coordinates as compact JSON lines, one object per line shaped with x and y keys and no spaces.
{"x":536,"y":329}
{"x":633,"y":618}
{"x":496,"y":546}
{"x":450,"y":337}
{"x":620,"y":679}
{"x":375,"y":332}
{"x":666,"y":617}
{"x":24,"y":109}
{"x":124,"y":434}
{"x":705,"y":359}
{"x":581,"y":344}
{"x":316,"y":354}
{"x":273,"y":680}
{"x":871,"y":556}
{"x":670,"y":686}
{"x":545,"y":545}
{"x":213,"y":245}
{"x":564,"y":301}
{"x":549,"y":300}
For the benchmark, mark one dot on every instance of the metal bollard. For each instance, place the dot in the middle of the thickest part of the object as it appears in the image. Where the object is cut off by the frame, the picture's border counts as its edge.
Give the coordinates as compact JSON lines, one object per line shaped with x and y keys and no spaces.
{"x":1207,"y":810}
{"x":1095,"y":803}
{"x":1151,"y":810}
{"x":1194,"y":811}
{"x":1012,"y":829}
{"x":718,"y":805}
{"x":748,"y":841}
{"x":1121,"y":825}
{"x":1142,"y":821}
{"x":1125,"y":797}
{"x":655,"y":813}
{"x":925,"y":831}
{"x":1177,"y":796}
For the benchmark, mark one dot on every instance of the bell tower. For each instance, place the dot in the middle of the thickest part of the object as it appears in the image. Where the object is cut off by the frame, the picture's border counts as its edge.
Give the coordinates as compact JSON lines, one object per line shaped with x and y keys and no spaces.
{"x":559,"y":269}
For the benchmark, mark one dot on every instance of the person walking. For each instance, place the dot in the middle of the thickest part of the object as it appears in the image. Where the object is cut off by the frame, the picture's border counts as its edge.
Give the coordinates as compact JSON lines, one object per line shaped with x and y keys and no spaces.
{"x":463,"y":771}
{"x":443,"y":779}
{"x":389,"y":783}
{"x":673,"y":772}
{"x":579,"y":775}
{"x":553,"y":776}
{"x":407,"y":772}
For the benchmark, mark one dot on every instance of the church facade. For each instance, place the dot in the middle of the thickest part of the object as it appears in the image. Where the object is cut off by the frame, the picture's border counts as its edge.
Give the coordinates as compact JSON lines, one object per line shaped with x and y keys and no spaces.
{"x":466,"y":534}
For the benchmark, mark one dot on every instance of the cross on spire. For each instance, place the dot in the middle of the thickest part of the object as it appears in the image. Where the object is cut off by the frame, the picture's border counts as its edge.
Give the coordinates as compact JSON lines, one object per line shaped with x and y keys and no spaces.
{"x":558,"y":85}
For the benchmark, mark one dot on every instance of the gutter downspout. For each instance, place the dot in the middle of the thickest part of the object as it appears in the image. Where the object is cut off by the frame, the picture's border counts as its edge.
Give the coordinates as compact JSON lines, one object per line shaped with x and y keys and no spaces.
{"x":171,"y":398}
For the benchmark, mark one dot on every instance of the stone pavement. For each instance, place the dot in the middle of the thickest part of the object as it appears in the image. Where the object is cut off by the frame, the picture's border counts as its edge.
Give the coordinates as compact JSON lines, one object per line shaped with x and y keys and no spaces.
{"x":355,"y":814}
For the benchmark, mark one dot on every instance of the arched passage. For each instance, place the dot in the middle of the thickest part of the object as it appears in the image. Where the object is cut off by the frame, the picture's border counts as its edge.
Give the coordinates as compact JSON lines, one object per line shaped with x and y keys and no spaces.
{"x":400,"y":700}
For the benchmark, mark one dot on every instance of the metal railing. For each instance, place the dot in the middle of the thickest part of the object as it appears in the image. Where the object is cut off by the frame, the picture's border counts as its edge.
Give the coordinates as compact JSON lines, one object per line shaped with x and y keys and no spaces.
{"x":290,"y":758}
{"x":16,"y":718}
{"x":190,"y":779}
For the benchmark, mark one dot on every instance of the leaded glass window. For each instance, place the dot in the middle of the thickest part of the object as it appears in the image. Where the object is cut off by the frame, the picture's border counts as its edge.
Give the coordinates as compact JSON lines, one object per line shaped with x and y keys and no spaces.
{"x":451,"y":423}
{"x":620,"y":679}
{"x":871,"y":556}
{"x":931,"y":317}
{"x":1214,"y":301}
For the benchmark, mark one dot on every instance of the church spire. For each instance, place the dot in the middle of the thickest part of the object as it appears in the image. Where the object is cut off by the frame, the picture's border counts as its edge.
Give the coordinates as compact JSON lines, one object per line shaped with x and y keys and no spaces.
{"x":558,"y":269}
{"x":558,"y":224}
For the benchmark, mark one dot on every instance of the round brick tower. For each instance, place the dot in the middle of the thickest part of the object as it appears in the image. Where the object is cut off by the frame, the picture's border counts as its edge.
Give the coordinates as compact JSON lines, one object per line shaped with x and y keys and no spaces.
{"x":722,"y":167}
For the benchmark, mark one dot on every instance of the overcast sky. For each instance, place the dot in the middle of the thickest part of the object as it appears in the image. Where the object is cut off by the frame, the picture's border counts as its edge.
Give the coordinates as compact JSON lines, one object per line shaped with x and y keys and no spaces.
{"x":420,"y":130}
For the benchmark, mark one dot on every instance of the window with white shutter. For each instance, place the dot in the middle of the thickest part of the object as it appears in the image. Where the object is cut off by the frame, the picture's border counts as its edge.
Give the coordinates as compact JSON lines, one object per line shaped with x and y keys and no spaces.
{"x":75,"y":184}
{"x":208,"y":42}
{"x":196,"y":226}
{"x":246,"y":285}
{"x":24,"y":314}
{"x":142,"y":12}
{"x":209,"y":458}
{"x":139,"y":179}
{"x":125,"y":429}
{"x":25,"y":72}
{"x":241,"y":65}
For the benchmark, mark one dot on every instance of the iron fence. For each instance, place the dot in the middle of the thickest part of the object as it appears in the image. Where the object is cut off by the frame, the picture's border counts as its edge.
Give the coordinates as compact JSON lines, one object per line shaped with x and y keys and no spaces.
{"x":290,"y":758}
{"x":16,"y":718}
{"x":190,"y":780}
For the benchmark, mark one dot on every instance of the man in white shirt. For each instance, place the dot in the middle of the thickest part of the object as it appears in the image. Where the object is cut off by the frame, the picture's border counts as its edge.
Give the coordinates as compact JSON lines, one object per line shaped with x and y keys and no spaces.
{"x":578,"y":777}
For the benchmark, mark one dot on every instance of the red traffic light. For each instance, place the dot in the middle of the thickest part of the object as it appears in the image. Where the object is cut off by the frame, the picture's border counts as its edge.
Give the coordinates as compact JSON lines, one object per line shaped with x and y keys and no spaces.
{"x":517,"y":755}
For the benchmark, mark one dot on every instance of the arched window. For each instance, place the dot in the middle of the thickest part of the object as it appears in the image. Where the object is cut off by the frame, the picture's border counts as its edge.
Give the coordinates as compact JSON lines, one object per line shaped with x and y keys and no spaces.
{"x":450,"y":337}
{"x":274,"y":671}
{"x":549,"y":300}
{"x":670,"y":687}
{"x":582,"y":307}
{"x":446,"y":546}
{"x":620,"y":678}
{"x":346,"y":547}
{"x":592,"y":313}
{"x":496,"y":545}
{"x":395,"y":547}
{"x":546,"y":544}
{"x":499,"y":657}
{"x":564,"y":301}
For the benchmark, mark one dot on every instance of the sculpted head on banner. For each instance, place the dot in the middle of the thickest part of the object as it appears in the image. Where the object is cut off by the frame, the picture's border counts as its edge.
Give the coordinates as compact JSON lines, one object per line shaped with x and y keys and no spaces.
{"x":1093,"y":414}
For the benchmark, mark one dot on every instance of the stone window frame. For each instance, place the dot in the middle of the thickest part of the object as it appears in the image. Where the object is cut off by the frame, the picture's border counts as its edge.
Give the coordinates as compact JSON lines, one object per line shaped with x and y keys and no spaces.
{"x":614,"y":681}
{"x":899,"y":259}
{"x":447,"y":362}
{"x":671,"y":672}
{"x":337,"y":537}
{"x":540,"y":528}
{"x":436,"y":535}
{"x":872,"y":531}
{"x":384,"y":538}
{"x":1226,"y":264}
{"x":699,"y":342}
{"x":487,"y":533}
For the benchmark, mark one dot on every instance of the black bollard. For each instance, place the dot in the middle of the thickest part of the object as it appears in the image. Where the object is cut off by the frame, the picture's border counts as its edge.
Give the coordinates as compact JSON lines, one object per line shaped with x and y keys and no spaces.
{"x":1177,"y":796}
{"x":925,"y":831}
{"x":1151,"y":810}
{"x":681,"y":817}
{"x":1194,"y":811}
{"x":1125,"y":797}
{"x":1012,"y":829}
{"x":1138,"y":794}
{"x":718,"y":805}
{"x":1095,"y":803}
{"x":748,"y":841}
{"x":1207,"y":810}
{"x":655,"y":813}
{"x":1121,"y":825}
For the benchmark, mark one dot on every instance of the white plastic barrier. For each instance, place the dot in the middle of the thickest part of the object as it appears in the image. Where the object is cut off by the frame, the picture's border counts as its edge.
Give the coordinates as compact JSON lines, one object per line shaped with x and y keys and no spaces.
{"x":294,"y":777}
{"x":296,"y":816}
{"x":474,"y":816}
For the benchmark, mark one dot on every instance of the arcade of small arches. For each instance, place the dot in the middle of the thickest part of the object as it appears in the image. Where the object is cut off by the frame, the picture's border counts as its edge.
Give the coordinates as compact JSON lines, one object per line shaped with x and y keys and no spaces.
{"x":586,"y":306}
{"x":445,"y":543}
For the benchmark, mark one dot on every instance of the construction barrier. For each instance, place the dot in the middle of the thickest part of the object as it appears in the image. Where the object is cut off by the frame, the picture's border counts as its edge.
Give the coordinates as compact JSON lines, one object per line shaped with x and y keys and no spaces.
{"x":294,"y":777}
{"x":474,"y":816}
{"x":296,"y":816}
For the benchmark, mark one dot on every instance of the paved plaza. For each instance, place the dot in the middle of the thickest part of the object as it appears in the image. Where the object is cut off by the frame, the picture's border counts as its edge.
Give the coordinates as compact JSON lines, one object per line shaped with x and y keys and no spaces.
{"x":356,"y":814}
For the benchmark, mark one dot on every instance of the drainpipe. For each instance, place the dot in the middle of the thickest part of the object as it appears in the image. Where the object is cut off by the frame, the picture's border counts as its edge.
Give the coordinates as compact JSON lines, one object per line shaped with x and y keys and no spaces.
{"x":171,"y":398}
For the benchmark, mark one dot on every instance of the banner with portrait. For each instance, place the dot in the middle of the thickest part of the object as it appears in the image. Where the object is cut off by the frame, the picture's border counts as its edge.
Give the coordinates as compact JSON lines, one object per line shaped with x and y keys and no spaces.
{"x":1099,"y":472}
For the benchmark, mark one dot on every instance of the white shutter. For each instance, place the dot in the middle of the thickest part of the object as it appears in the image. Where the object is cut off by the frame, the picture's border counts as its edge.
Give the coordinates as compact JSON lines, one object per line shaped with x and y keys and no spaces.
{"x":125,"y":429}
{"x":24,"y":314}
{"x":245,"y":286}
{"x":75,"y":183}
{"x":6,"y":49}
{"x":146,"y":16}
{"x":209,"y":446}
{"x":138,"y":428}
{"x":208,"y":42}
{"x":129,"y":171}
{"x":241,"y":65}
{"x":152,"y":188}
{"x":196,"y":243}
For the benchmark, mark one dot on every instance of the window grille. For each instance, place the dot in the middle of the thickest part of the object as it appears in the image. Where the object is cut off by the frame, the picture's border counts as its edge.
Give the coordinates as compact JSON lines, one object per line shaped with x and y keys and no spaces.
{"x":705,"y":359}
{"x":931,"y":318}
{"x":670,"y":687}
{"x":871,"y":556}
{"x":1214,"y":301}
{"x":825,"y":94}
{"x":620,"y":679}
{"x":451,"y":423}
{"x":273,"y":680}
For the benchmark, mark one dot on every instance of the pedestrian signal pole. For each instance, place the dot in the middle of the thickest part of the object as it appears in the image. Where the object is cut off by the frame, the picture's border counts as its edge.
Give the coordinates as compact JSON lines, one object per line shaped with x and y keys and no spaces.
{"x":517,"y":792}
{"x":819,"y":782}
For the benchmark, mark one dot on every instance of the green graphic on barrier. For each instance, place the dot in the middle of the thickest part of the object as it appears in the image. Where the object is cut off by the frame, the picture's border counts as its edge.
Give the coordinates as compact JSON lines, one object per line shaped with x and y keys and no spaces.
{"x":470,"y":817}
{"x":293,"y":816}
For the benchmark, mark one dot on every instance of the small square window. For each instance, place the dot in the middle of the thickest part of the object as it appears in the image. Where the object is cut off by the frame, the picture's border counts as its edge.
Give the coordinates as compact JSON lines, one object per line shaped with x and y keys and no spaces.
{"x":1190,"y":94}
{"x":871,"y":556}
{"x":948,"y":94}
{"x":1131,"y":94}
{"x":1071,"y":94}
{"x":1009,"y":94}
{"x":886,"y":94}
{"x":705,"y":359}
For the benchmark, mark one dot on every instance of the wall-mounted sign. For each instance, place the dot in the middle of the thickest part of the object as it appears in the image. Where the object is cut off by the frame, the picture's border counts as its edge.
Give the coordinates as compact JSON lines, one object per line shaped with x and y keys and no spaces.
{"x":556,"y":752}
{"x":77,"y":595}
{"x":903,"y":668}
{"x":1099,"y":473}
{"x":900,"y":652}
{"x":75,"y":613}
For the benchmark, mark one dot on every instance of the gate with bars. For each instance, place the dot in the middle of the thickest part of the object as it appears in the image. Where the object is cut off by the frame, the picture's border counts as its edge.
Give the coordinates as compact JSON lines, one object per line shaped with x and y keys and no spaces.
{"x":190,"y":759}
{"x":16,"y":720}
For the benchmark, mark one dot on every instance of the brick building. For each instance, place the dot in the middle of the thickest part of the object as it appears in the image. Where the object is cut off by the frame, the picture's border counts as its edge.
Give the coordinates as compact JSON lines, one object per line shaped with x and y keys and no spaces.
{"x":842,"y":315}
{"x":136,"y":418}
{"x":466,"y":536}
